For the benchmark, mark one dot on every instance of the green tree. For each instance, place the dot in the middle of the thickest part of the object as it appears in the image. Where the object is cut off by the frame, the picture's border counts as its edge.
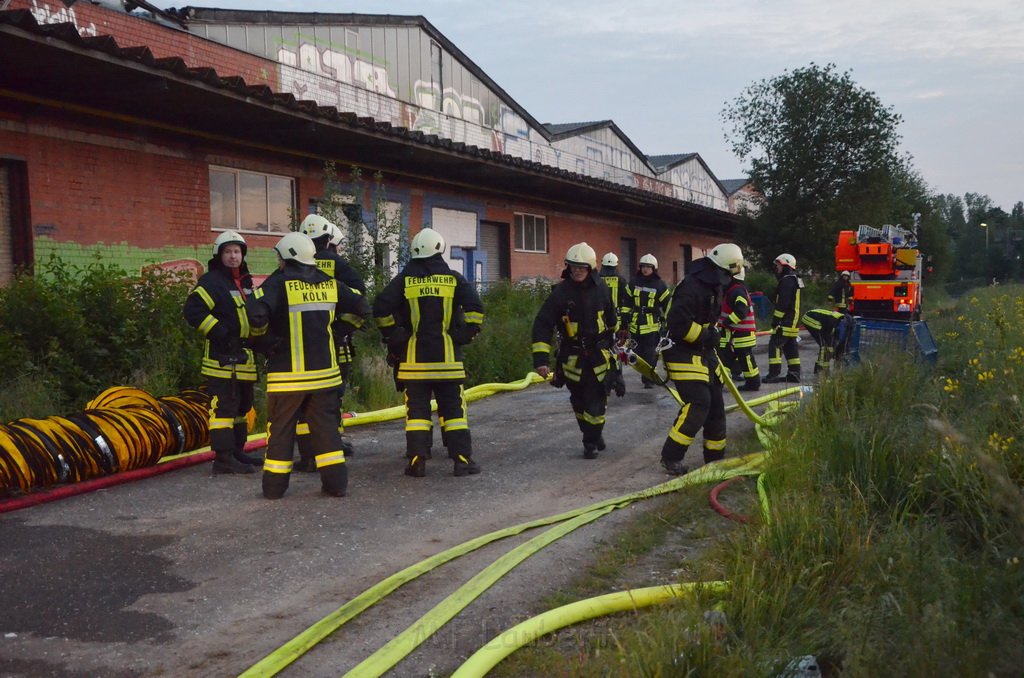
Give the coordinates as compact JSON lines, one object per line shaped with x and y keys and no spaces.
{"x":824,"y":153}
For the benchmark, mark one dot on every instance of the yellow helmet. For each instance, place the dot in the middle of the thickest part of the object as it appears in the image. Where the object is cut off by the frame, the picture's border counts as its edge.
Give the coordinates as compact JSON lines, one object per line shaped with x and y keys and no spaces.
{"x":296,"y":247}
{"x":727,"y":256}
{"x":649,"y":260}
{"x":582,"y":254}
{"x":427,"y":243}
{"x":226,"y":238}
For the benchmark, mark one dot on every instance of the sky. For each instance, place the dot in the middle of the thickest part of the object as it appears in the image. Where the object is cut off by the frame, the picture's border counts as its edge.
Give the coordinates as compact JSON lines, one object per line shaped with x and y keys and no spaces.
{"x":663,"y":70}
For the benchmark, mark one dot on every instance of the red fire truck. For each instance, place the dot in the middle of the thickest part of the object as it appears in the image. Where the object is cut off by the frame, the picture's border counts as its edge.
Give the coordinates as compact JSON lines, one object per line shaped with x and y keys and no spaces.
{"x":885,"y":271}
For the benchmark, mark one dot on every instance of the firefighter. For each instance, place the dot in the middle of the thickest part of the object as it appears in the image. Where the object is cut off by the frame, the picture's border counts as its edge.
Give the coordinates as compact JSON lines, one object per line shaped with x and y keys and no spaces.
{"x":785,"y":323}
{"x":622,"y":300}
{"x":426,"y":314}
{"x":832,"y":331}
{"x":841,"y":293}
{"x":740,"y":332}
{"x":216,"y":307}
{"x":294,"y":315}
{"x":326,"y":236}
{"x":650,"y":300}
{"x":581,"y":311}
{"x":691,"y":361}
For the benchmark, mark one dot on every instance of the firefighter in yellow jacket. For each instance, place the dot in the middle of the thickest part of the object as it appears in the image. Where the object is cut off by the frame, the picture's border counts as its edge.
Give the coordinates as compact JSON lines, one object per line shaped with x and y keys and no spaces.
{"x":294,"y":315}
{"x":426,"y":314}
{"x":216,"y":307}
{"x":650,"y":303}
{"x":622,"y":298}
{"x":739,"y":336}
{"x":581,"y":311}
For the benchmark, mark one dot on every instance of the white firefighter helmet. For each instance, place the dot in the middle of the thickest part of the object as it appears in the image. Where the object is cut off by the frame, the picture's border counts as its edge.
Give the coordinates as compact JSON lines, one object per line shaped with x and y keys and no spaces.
{"x":649,"y":260}
{"x":610,"y":260}
{"x":786,"y":260}
{"x":844,"y":274}
{"x":296,"y":247}
{"x":742,"y":275}
{"x":226,"y":238}
{"x":727,"y":256}
{"x":582,"y":254}
{"x":315,"y":226}
{"x":427,"y":243}
{"x":336,"y":236}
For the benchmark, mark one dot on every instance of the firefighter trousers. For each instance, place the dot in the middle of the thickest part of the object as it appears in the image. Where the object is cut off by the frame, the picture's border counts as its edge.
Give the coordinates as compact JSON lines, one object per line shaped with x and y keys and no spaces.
{"x":703,"y":408}
{"x":589,"y":402}
{"x":319,"y":409}
{"x":781,"y":345}
{"x":451,"y":413}
{"x":230,"y":401}
{"x":646,"y":348}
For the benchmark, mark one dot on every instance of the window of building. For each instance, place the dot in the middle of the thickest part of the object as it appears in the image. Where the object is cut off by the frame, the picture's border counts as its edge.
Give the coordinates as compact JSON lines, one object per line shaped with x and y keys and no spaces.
{"x":250,"y":201}
{"x":531,"y":233}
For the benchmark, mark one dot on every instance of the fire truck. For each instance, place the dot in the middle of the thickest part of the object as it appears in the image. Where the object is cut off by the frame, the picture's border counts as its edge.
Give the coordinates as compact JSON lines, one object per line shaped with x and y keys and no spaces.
{"x":885,"y":271}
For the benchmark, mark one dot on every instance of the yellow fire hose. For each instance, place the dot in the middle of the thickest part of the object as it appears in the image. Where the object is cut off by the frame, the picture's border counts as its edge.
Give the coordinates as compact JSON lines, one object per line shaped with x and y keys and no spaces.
{"x":488,"y":656}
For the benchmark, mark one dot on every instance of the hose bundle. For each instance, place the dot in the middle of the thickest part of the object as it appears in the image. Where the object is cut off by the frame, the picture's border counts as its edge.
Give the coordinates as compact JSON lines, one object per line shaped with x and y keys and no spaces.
{"x":121,"y":429}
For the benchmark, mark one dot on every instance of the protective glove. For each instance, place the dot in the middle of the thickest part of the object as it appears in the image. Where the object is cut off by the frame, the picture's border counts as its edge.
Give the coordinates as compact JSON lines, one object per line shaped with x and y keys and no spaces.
{"x":463,"y":334}
{"x":709,"y":338}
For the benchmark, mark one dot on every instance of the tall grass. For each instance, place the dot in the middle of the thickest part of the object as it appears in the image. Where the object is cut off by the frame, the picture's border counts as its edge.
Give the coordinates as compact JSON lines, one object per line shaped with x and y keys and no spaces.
{"x":896,"y":533}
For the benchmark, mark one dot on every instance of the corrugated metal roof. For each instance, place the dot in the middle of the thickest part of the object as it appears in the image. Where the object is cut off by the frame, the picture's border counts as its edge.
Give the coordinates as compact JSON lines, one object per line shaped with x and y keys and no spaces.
{"x":48,"y":61}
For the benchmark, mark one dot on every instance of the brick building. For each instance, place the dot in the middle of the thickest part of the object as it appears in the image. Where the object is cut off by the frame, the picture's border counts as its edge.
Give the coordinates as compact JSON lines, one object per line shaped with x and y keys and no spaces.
{"x":136,"y":136}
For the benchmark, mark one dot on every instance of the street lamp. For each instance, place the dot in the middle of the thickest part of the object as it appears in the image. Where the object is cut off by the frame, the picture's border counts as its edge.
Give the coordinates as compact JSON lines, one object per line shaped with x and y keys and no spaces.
{"x":985,"y":226}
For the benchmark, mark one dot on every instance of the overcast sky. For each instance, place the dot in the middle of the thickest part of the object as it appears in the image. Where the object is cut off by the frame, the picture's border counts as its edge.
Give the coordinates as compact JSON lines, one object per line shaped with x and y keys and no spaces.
{"x":664,"y":69}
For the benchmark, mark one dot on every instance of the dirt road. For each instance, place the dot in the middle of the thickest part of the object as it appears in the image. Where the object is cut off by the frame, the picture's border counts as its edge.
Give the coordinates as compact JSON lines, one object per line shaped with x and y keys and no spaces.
{"x":187,"y":574}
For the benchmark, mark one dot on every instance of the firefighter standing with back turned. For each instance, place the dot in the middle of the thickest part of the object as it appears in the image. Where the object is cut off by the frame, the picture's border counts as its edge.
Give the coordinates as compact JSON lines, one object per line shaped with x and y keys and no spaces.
{"x":691,"y":360}
{"x":785,"y":323}
{"x":650,"y":300}
{"x":426,"y":314}
{"x":322,"y":232}
{"x":580,"y":309}
{"x":216,"y":307}
{"x":623,"y":300}
{"x":293,"y":316}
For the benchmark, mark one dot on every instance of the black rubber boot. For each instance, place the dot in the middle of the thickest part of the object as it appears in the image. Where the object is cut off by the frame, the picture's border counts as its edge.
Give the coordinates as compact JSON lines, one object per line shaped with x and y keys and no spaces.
{"x":251,"y":459}
{"x":241,"y":438}
{"x":601,"y":444}
{"x":793,"y":377}
{"x":589,"y":450}
{"x":713,"y":455}
{"x":774,"y":377}
{"x":334,"y":480}
{"x":674,"y":468}
{"x":751,"y":384}
{"x":225,"y":463}
{"x":274,"y":485}
{"x":347,"y":447}
{"x":417,"y":467}
{"x":465,"y":466}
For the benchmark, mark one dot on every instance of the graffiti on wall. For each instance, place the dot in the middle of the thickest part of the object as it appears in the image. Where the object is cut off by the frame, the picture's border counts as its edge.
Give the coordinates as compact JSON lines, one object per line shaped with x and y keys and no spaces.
{"x":65,"y":15}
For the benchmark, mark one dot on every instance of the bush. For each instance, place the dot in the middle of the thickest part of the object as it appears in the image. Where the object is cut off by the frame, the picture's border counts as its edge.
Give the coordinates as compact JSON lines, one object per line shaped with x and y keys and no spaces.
{"x":72,"y":332}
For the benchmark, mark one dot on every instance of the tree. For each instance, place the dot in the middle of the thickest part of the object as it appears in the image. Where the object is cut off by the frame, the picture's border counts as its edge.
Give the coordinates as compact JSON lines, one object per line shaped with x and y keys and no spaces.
{"x":824,"y":153}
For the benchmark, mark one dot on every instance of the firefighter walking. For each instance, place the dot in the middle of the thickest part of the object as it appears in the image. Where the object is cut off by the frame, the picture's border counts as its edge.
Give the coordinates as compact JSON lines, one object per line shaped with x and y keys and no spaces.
{"x":691,"y":360}
{"x":622,"y":299}
{"x":216,"y":307}
{"x":841,"y":293}
{"x":650,"y":300}
{"x":785,"y":323}
{"x":581,"y":311}
{"x":294,"y":315}
{"x":426,"y":314}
